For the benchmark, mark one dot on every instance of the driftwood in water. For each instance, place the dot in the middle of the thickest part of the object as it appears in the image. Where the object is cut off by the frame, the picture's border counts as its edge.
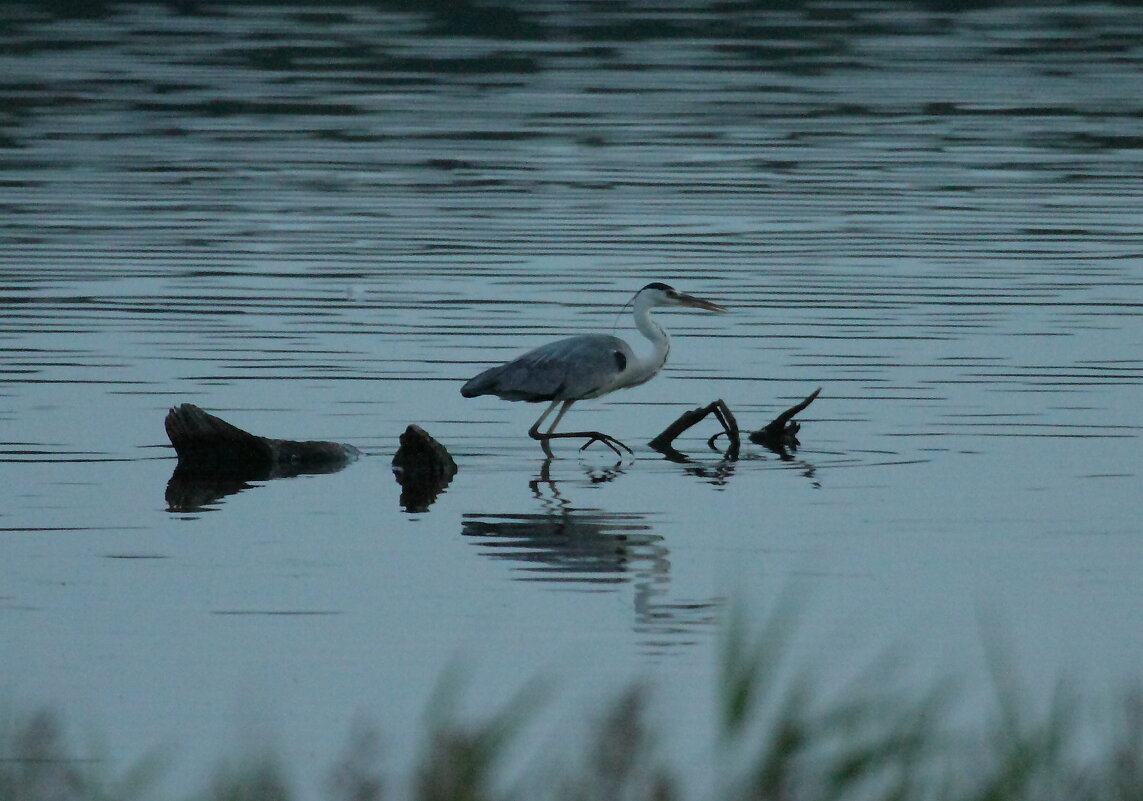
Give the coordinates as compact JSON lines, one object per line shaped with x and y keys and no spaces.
{"x":664,"y":442}
{"x":217,"y":459}
{"x":778,"y":435}
{"x":423,"y":468}
{"x":210,"y":443}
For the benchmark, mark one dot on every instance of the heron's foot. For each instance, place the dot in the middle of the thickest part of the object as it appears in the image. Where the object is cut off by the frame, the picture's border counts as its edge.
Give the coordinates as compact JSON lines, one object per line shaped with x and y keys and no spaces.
{"x":590,"y":436}
{"x":610,"y":442}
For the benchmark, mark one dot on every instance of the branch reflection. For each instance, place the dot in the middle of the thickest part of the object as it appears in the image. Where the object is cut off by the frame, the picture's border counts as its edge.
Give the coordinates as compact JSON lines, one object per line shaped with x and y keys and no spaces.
{"x":197,"y":488}
{"x":718,"y":470}
{"x":785,"y":451}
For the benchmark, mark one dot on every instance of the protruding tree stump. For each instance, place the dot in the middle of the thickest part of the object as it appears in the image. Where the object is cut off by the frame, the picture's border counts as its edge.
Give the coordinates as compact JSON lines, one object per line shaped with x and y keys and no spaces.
{"x":206,"y":442}
{"x":779,"y":435}
{"x":664,"y":442}
{"x":423,"y":468}
{"x":217,"y":459}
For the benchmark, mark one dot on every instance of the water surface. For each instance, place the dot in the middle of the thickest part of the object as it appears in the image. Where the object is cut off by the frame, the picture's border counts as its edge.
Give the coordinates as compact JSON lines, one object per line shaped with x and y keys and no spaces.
{"x":319,"y":224}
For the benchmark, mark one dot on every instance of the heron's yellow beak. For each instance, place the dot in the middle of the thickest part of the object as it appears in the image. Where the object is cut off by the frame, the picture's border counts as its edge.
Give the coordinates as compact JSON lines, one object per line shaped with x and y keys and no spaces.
{"x":698,"y":303}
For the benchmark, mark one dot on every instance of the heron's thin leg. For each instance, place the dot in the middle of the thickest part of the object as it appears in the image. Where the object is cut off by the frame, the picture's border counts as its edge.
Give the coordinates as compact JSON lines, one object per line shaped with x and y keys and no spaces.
{"x":534,"y":431}
{"x":591,"y":436}
{"x":559,"y":416}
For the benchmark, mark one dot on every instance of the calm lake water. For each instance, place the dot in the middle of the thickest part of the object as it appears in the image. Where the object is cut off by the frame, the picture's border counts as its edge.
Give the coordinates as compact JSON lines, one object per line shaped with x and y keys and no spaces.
{"x":319,"y":224}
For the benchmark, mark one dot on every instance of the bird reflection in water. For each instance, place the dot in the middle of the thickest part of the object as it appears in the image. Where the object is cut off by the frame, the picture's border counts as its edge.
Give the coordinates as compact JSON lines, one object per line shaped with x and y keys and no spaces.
{"x":593,"y":550}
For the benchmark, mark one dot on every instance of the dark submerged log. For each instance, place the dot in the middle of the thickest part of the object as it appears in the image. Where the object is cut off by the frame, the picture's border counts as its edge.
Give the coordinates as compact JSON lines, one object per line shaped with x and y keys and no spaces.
{"x":423,"y":467}
{"x":210,"y":443}
{"x":202,"y":438}
{"x":217,"y":459}
{"x":779,"y":435}
{"x":664,"y":442}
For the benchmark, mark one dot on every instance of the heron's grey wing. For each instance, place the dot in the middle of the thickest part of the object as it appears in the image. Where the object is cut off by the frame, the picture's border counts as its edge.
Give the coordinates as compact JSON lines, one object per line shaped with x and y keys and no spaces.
{"x":568,"y":369}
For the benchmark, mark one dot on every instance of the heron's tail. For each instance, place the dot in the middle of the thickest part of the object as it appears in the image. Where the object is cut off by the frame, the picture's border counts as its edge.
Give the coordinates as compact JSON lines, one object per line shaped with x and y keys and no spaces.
{"x":477,"y":386}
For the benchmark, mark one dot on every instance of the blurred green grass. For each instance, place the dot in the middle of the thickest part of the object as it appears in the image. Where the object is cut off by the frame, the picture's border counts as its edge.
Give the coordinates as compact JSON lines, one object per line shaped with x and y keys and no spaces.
{"x":782,"y":736}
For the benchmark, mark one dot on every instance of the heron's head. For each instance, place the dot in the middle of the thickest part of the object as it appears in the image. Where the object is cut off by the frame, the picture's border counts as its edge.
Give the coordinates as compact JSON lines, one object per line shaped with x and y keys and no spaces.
{"x":660,"y":294}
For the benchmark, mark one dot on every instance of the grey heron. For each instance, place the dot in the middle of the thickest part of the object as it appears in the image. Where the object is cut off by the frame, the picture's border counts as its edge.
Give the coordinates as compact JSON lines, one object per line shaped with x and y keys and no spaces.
{"x":585,"y":366}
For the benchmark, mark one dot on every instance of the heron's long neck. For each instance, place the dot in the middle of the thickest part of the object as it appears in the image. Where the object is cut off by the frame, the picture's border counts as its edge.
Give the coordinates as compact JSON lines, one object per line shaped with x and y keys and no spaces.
{"x":660,"y":342}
